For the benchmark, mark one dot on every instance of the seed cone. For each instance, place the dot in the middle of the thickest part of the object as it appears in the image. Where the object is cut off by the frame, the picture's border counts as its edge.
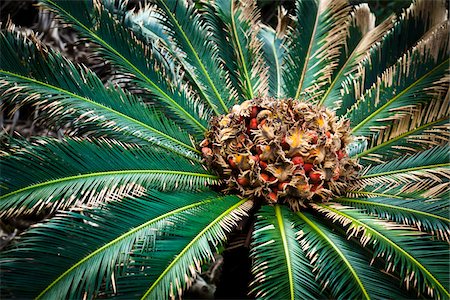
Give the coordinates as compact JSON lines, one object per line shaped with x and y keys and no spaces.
{"x":280,"y":151}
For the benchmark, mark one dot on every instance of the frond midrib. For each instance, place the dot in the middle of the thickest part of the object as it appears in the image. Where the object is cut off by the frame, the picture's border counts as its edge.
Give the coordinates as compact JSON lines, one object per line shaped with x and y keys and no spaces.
{"x":240,"y":53}
{"x":117,"y":240}
{"x":376,"y":194}
{"x":308,"y":54}
{"x":277,"y":66}
{"x":375,"y":113}
{"x":188,"y":246}
{"x":430,"y":167}
{"x":410,"y":210}
{"x":84,"y":99}
{"x":394,"y":245}
{"x":338,"y":251}
{"x":286,"y":250}
{"x":106,"y":173}
{"x":202,"y":67}
{"x":154,"y":85}
{"x":390,"y":141}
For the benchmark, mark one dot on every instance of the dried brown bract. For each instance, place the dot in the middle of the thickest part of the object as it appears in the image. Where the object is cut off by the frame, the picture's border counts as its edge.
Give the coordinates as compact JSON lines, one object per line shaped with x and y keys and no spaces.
{"x":281,"y":151}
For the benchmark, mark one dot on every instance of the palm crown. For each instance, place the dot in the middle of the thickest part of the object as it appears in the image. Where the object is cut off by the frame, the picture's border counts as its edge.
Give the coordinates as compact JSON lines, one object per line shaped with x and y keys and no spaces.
{"x":137,"y":209}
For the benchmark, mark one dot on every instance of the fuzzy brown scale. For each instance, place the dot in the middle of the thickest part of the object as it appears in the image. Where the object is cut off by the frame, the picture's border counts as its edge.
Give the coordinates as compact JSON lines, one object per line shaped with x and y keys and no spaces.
{"x":280,"y":151}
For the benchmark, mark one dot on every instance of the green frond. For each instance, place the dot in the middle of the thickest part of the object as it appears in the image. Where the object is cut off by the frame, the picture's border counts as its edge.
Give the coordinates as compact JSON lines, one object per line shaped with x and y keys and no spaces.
{"x":241,"y":21}
{"x":82,"y":254}
{"x":52,"y":174}
{"x":399,"y":92}
{"x":180,"y":253}
{"x":280,"y":268}
{"x":427,"y":126}
{"x":425,"y":174}
{"x":421,"y":262}
{"x":342,"y":266}
{"x":361,"y":36}
{"x":313,"y":47}
{"x":127,"y":54}
{"x":190,"y":33}
{"x":68,"y":93}
{"x":420,"y":18}
{"x":273,"y":52}
{"x":428,"y":215}
{"x":173,"y":277}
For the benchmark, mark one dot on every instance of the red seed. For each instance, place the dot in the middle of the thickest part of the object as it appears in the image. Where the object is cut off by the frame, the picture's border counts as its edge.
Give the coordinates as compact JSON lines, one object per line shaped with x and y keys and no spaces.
{"x":314,"y":188}
{"x":271,"y":178}
{"x":253,"y":124}
{"x":328,"y":134}
{"x":264,"y":177}
{"x":242,"y":181}
{"x":263,"y":164}
{"x":254,"y":157}
{"x":275,"y":190}
{"x":298,"y":160}
{"x":307,"y":167}
{"x":315,"y":176}
{"x":282,"y":185}
{"x":254,"y":112}
{"x":340,"y":154}
{"x":336,"y":177}
{"x":314,"y":139}
{"x":263,"y":122}
{"x":232,"y":163}
{"x":207,"y":151}
{"x":273,"y":197}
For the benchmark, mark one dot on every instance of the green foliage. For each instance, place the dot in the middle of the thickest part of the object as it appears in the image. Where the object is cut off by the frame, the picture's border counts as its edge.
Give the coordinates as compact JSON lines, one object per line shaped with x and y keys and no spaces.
{"x":131,"y":211}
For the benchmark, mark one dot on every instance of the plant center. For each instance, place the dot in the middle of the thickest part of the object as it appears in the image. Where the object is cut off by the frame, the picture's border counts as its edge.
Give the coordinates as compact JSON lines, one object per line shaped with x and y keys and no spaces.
{"x":280,"y":151}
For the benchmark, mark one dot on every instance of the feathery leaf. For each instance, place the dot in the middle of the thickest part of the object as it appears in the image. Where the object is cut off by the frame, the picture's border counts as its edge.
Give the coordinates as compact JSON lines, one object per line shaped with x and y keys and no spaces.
{"x":280,"y":267}
{"x":52,"y":174}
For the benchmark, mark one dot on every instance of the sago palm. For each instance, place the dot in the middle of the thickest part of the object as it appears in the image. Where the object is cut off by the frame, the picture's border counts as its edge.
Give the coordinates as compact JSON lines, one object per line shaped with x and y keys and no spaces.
{"x":330,"y":132}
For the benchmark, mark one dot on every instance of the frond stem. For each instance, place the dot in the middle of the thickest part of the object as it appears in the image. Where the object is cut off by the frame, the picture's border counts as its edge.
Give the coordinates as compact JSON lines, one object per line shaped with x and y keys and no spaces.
{"x":338,"y":251}
{"x":406,"y":170}
{"x":410,"y":210}
{"x":305,"y":66}
{"x":106,"y":173}
{"x":203,"y":69}
{"x":148,"y":80}
{"x":189,"y":245}
{"x":368,"y":151}
{"x":391,"y":243}
{"x":286,"y":250}
{"x":84,"y":99}
{"x":118,"y":239}
{"x":372,"y":115}
{"x":240,"y":54}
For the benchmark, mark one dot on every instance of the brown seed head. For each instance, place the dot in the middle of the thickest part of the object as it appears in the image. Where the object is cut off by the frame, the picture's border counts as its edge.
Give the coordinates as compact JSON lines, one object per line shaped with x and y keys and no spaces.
{"x":287,"y":151}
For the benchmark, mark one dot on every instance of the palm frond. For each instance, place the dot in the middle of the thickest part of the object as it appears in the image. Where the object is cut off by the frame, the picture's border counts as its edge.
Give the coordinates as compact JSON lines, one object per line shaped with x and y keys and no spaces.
{"x":399,"y":93}
{"x":280,"y":268}
{"x":420,"y":18}
{"x":68,"y":93}
{"x":273,"y":52}
{"x":190,"y":32}
{"x":180,"y":253}
{"x":362,"y":35}
{"x":241,"y":26}
{"x":428,"y":126}
{"x":425,"y":174}
{"x":127,"y":54}
{"x":342,"y":266}
{"x":406,"y":251}
{"x":52,"y":174}
{"x":430,"y":215}
{"x":88,"y":250}
{"x":313,"y":47}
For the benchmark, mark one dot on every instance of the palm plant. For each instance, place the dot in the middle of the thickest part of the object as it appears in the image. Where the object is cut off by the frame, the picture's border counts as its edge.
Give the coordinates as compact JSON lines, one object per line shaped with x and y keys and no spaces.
{"x":201,"y":125}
